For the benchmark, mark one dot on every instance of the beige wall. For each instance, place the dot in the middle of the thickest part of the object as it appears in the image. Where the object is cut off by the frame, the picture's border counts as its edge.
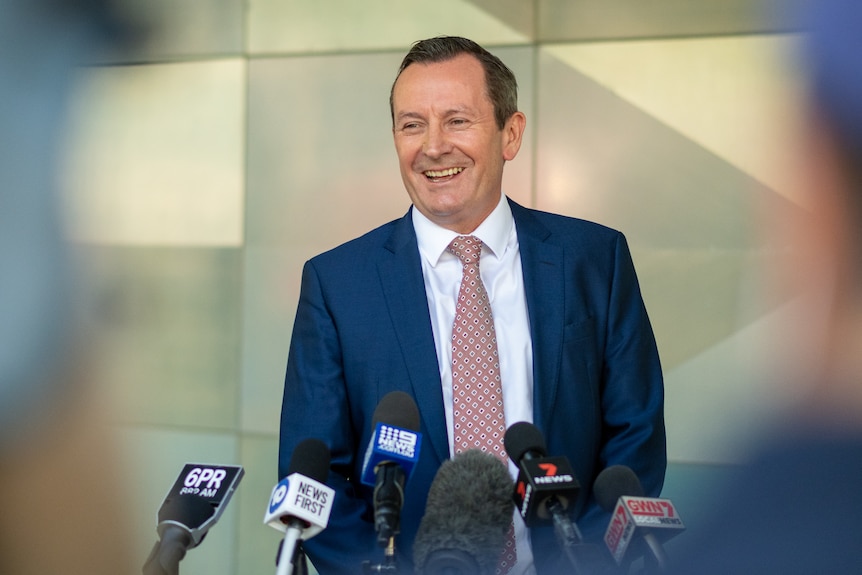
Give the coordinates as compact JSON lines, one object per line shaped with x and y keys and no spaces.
{"x":245,"y":137}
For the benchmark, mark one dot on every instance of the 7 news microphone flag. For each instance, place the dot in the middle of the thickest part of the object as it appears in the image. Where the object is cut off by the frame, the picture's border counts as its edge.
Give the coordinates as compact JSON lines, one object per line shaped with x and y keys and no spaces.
{"x":545,"y":493}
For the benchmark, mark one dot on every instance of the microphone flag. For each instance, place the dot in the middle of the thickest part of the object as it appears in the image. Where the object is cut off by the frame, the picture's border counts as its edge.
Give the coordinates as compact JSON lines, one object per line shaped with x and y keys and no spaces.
{"x":201,"y":484}
{"x":631,"y":514}
{"x":391,"y":444}
{"x":303,"y":498}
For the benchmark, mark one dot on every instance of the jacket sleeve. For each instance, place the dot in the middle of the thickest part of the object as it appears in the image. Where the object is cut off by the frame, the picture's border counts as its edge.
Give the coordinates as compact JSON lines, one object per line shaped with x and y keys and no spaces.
{"x":632,"y":387}
{"x":315,"y":405}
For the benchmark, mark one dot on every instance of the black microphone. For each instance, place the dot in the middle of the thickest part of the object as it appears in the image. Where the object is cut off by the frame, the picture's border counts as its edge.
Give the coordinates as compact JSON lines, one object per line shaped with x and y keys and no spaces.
{"x":467,"y":517}
{"x":389,"y":460}
{"x":300,"y":503}
{"x":193,"y":505}
{"x":618,"y":491}
{"x":545,"y":492}
{"x":546,"y":486}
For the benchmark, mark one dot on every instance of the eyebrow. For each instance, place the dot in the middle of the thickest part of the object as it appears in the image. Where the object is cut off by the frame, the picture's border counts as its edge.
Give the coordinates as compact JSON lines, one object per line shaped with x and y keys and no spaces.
{"x":409,"y":115}
{"x":448,"y":113}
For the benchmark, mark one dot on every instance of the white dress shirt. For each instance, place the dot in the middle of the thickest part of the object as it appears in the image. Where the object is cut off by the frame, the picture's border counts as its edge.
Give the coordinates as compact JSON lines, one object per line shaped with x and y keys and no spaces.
{"x":500,"y":268}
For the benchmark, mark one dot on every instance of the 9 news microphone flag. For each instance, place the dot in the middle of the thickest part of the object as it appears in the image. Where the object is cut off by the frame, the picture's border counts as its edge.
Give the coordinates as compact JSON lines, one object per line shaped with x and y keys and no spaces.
{"x":390,"y":458}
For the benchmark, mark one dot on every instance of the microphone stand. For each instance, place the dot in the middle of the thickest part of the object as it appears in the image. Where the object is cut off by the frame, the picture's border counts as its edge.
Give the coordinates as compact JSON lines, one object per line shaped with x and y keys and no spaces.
{"x":299,"y":560}
{"x":165,"y":557}
{"x":390,"y":563}
{"x":655,"y":559}
{"x":296,"y":564}
{"x":566,"y":532}
{"x":288,"y":552}
{"x":388,"y":499}
{"x":584,"y":558}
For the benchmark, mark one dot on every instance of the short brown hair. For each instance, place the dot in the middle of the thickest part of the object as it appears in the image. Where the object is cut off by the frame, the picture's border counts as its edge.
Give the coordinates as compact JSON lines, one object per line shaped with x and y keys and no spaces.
{"x":500,"y":82}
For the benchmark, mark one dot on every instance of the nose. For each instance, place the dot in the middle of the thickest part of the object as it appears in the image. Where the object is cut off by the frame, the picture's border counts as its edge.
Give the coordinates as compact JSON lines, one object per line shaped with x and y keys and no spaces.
{"x":436,"y":142}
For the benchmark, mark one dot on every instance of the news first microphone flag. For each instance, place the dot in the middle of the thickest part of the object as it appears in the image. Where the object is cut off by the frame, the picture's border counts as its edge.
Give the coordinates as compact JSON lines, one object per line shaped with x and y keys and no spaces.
{"x":298,"y":496}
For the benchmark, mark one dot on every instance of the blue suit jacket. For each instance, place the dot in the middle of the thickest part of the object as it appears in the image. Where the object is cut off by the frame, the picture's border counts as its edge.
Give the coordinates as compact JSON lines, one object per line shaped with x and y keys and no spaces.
{"x":363,"y":329}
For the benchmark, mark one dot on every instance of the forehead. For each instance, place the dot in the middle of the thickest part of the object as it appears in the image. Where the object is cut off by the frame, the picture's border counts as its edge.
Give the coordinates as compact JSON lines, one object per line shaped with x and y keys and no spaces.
{"x":459,"y":80}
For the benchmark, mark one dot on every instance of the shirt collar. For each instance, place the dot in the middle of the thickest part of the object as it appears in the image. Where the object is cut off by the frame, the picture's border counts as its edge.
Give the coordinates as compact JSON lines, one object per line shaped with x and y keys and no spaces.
{"x":493,"y":231}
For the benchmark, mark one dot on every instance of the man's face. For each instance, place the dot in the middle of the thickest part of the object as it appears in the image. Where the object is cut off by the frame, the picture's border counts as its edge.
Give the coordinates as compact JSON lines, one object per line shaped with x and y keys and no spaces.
{"x":450,"y":151}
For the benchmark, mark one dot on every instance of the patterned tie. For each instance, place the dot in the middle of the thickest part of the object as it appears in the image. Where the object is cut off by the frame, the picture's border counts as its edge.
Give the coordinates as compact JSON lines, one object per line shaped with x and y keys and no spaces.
{"x":476,"y":389}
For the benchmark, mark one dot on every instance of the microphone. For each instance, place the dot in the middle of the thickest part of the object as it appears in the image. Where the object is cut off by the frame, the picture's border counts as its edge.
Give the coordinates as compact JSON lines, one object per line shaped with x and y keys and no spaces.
{"x":192,"y":506}
{"x":618,"y":491}
{"x":300,"y":503}
{"x":390,"y":458}
{"x":545,"y":492}
{"x":546,"y":486}
{"x":467,"y":517}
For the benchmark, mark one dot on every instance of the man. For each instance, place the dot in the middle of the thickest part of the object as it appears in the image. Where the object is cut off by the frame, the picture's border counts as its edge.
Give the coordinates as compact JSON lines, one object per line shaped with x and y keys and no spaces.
{"x":577,"y":356}
{"x":795,"y":508}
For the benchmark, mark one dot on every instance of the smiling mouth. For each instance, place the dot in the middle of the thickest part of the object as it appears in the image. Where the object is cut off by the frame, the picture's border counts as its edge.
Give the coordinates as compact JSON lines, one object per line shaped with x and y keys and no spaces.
{"x":435,"y":175}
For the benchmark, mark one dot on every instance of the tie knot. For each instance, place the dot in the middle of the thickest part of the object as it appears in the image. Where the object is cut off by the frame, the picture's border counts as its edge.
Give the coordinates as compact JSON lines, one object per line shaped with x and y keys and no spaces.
{"x":467,"y":248}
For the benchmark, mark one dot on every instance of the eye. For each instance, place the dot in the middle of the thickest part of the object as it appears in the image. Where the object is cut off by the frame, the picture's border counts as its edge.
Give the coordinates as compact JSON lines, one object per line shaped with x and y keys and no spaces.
{"x":411,"y":127}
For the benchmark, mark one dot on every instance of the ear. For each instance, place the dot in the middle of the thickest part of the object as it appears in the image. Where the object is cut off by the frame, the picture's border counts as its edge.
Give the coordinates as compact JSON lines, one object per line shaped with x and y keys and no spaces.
{"x":512,"y":133}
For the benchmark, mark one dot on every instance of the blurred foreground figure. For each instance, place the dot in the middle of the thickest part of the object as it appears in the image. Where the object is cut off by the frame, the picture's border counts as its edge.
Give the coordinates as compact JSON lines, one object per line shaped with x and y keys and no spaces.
{"x":59,"y":488}
{"x":797,"y":507}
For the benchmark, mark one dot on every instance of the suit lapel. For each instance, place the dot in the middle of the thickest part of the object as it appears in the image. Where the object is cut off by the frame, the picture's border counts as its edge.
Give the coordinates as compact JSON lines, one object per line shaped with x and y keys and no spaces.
{"x":542,"y":264}
{"x":404,"y":288}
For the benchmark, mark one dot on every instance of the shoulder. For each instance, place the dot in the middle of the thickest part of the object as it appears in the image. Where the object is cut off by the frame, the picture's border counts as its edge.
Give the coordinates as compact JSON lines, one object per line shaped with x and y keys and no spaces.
{"x":562,"y":229}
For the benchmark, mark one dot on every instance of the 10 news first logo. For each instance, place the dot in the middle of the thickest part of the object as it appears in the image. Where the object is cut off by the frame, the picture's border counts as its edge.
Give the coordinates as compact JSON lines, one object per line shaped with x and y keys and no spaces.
{"x":659,"y":516}
{"x":303,"y":498}
{"x":390,"y":444}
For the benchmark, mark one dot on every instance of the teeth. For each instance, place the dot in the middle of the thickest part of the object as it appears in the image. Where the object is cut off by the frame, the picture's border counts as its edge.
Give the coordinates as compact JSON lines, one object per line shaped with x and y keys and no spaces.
{"x":443,"y":173}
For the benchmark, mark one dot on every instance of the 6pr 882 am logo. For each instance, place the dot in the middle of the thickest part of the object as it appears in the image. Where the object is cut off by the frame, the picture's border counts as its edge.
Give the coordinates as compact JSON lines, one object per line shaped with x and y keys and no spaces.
{"x":203,"y":481}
